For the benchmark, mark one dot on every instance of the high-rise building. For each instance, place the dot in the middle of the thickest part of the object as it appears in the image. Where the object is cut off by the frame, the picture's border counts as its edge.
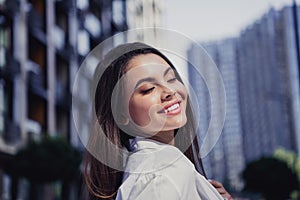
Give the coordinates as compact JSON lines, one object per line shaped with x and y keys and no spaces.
{"x":269,"y":85}
{"x":261,"y":77}
{"x":143,"y":14}
{"x":42,"y":43}
{"x":226,"y":161}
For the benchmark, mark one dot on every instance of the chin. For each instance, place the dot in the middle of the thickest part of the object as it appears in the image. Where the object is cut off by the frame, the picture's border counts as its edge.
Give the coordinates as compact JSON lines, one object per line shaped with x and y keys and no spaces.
{"x":176,"y":125}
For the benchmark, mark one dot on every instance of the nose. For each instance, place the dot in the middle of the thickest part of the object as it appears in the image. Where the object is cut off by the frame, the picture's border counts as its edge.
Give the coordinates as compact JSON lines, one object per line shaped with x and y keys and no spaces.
{"x":168,"y":94}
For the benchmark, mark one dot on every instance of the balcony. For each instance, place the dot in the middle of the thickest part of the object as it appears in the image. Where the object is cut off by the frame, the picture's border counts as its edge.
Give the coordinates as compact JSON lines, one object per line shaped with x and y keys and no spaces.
{"x":10,"y":69}
{"x":66,"y":53}
{"x":10,"y":8}
{"x":36,"y":25}
{"x":64,"y":5}
{"x":12,"y":133}
{"x":36,"y":80}
{"x":63,"y":96}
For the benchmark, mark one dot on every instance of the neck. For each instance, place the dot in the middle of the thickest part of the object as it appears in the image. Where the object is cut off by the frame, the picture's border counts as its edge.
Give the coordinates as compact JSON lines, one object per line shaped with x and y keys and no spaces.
{"x":166,"y":137}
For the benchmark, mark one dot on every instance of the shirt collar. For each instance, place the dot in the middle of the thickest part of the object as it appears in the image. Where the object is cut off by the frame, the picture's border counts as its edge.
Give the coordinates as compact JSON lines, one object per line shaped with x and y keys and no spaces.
{"x":139,"y":143}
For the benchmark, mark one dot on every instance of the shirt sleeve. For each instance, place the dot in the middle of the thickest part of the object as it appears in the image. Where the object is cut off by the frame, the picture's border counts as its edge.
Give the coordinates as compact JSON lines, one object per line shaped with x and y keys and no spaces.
{"x":149,"y":188}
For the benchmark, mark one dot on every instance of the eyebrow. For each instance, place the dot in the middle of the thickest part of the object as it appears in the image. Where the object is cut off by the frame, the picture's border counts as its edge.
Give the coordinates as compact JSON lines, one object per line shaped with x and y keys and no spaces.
{"x":150,"y":79}
{"x":167,"y":70}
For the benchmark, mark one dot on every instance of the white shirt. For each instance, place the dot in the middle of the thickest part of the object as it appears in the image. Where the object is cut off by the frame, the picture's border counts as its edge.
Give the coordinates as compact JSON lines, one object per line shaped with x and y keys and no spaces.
{"x":161,"y":171}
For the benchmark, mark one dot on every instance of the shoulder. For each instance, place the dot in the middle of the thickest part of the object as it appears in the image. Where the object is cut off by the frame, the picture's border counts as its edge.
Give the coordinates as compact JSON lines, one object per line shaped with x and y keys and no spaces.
{"x":148,"y":186}
{"x":151,"y":157}
{"x":205,"y":189}
{"x":153,"y":174}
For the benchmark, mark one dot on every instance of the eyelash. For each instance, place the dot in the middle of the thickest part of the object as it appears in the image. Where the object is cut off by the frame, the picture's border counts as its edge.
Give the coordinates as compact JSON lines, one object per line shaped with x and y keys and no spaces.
{"x":147,"y":91}
{"x":150,"y":89}
{"x":172,"y":80}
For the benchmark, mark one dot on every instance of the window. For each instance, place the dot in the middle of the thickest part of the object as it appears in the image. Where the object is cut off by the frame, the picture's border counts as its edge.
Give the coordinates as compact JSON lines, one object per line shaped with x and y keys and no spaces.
{"x":5,"y":39}
{"x":61,"y":29}
{"x":2,"y":107}
{"x":62,"y":81}
{"x":37,"y":16}
{"x":62,"y":122}
{"x":5,"y":104}
{"x":37,"y":109}
{"x":59,"y":37}
{"x":37,"y":54}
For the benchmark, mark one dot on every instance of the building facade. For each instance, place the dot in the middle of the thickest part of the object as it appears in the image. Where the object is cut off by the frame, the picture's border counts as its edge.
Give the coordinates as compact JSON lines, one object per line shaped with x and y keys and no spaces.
{"x":269,"y":85}
{"x":260,"y":72}
{"x":225,"y":162}
{"x":42,"y":44}
{"x":143,"y":14}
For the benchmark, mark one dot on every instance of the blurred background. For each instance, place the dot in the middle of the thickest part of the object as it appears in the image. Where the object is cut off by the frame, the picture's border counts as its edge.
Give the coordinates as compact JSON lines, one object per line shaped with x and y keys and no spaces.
{"x":254,"y":44}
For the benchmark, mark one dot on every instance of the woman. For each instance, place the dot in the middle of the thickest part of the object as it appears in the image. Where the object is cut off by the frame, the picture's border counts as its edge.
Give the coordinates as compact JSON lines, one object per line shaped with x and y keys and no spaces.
{"x":142,"y":106}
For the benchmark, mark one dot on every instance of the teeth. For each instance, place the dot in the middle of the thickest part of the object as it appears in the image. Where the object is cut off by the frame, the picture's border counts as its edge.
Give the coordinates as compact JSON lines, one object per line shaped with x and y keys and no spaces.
{"x":175,"y":106}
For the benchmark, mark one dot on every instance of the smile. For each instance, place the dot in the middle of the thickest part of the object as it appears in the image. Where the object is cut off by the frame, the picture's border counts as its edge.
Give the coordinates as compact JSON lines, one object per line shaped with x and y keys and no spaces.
{"x":172,"y":109}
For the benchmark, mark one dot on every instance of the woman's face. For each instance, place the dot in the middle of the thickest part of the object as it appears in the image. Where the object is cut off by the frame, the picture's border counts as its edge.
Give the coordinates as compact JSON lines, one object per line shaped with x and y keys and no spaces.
{"x":156,"y":98}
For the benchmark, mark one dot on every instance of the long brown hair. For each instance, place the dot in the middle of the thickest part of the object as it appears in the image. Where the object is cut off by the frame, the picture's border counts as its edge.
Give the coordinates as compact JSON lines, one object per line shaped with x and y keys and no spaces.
{"x":103,"y":181}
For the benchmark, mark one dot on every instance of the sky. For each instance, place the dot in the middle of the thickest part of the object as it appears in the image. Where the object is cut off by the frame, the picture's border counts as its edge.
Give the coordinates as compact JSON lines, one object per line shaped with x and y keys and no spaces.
{"x":205,"y":20}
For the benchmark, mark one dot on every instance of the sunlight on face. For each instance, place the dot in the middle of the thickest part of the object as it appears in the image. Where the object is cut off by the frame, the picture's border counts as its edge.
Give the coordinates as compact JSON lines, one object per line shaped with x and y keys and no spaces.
{"x":156,"y":98}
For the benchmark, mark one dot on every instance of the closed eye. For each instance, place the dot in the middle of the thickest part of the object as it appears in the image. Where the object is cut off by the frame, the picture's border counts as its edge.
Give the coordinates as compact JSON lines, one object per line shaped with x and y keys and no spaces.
{"x":172,"y":80}
{"x":147,"y":91}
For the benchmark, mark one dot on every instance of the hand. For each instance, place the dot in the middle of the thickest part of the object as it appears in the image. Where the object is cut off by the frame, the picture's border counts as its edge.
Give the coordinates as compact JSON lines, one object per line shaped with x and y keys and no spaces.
{"x":220,"y":188}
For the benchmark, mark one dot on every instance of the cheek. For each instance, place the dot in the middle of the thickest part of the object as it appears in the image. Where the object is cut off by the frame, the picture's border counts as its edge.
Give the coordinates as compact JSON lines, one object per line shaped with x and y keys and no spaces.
{"x":139,"y":110}
{"x":181,"y":90}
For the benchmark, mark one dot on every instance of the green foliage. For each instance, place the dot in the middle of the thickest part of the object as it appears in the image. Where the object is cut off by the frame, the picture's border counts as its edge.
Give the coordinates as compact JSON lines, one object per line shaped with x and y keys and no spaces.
{"x":290,"y":158}
{"x":293,"y":161}
{"x":51,"y":159}
{"x":271,"y":177}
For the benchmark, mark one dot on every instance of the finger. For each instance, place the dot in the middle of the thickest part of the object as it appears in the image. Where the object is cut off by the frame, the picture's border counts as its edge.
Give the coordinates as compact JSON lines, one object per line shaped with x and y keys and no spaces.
{"x":215,"y":183}
{"x":220,"y":188}
{"x":227,"y":196}
{"x":221,"y":191}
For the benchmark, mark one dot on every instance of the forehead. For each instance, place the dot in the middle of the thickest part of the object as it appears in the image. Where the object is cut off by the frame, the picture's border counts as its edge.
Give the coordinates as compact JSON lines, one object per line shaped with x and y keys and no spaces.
{"x":146,"y":59}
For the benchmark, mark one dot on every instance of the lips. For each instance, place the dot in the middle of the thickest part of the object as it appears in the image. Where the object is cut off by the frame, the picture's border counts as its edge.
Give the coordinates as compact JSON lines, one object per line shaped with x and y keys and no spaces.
{"x":172,"y":108}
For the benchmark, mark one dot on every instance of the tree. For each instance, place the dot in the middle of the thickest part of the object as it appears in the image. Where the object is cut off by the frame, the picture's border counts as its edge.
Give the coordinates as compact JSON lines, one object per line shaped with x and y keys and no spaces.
{"x":293,"y":161}
{"x":51,"y":159}
{"x":271,"y":177}
{"x":289,"y":157}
